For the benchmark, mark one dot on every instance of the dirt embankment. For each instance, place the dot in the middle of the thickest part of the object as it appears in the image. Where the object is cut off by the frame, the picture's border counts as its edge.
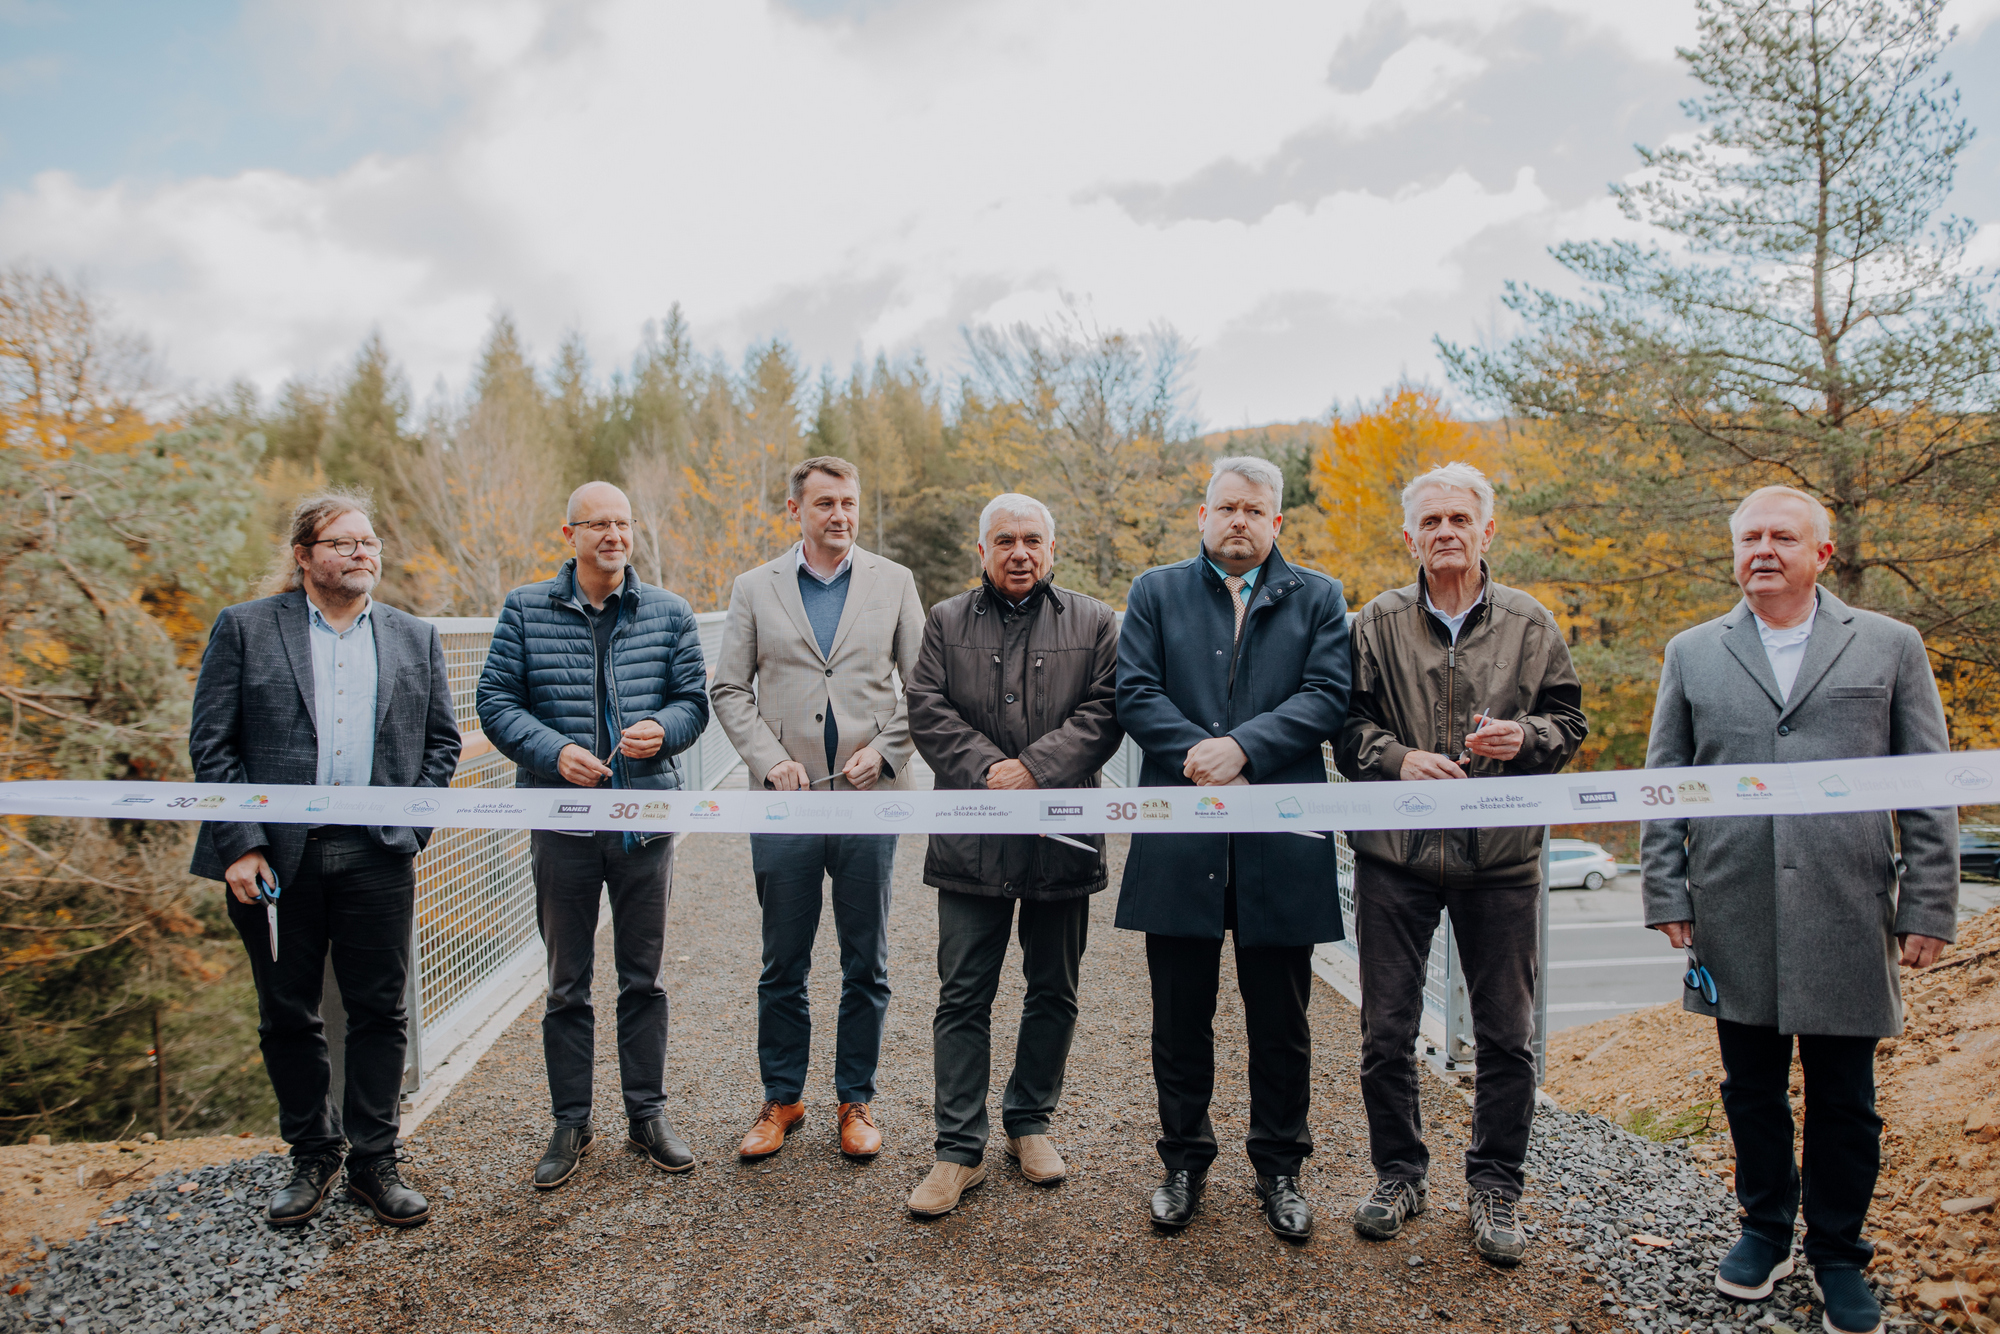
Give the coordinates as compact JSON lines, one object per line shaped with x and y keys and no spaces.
{"x":53,"y":1191}
{"x":1938,"y":1090}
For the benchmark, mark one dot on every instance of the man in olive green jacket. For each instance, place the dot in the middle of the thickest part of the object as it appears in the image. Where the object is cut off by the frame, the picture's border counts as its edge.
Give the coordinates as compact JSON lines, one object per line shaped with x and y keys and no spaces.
{"x":1455,"y":676}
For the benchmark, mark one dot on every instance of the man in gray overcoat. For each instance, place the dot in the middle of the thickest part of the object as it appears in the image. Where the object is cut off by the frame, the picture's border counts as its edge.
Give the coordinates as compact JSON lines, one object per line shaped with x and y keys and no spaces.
{"x":1796,"y":924}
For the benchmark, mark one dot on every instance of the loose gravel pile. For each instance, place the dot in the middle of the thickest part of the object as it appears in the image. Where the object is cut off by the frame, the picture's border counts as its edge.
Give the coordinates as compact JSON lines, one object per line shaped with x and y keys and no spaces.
{"x":1608,"y":1188}
{"x":190,"y":1253}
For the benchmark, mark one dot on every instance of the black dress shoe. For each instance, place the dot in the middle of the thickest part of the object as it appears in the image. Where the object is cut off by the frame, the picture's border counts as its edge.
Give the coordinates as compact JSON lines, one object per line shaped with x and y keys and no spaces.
{"x":305,"y":1194}
{"x":377,"y":1184}
{"x":662,"y":1145}
{"x":566,"y":1149}
{"x":1175,"y":1202}
{"x":1285,"y":1210}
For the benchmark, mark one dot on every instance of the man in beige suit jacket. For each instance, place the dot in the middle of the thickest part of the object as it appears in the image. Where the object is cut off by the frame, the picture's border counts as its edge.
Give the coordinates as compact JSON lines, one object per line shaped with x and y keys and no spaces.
{"x":806,"y":686}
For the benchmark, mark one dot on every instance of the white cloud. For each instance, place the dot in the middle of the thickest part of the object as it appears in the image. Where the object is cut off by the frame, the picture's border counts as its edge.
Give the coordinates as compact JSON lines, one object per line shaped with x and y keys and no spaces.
{"x":900,"y":173}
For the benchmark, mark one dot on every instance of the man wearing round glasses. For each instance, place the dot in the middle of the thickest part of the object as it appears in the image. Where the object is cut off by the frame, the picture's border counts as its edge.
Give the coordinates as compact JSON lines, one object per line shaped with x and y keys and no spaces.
{"x":321,"y":684}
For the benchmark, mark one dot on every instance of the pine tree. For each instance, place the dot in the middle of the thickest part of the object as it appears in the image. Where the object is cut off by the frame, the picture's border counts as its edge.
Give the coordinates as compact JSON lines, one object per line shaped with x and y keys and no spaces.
{"x":1807,"y":318}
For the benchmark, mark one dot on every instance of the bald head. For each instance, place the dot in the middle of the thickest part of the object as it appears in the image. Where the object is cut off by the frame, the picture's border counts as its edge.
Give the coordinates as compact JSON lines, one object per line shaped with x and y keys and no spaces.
{"x":591,"y":497}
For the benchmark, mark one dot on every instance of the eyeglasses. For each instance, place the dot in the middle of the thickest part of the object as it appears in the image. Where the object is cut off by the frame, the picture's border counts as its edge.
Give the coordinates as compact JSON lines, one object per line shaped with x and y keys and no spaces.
{"x":347,"y":546}
{"x":1698,"y":978}
{"x":603,"y":526}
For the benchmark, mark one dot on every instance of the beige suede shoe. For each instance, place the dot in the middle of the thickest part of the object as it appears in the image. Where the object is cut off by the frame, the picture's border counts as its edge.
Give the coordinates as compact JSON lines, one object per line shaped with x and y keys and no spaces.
{"x":1040,"y":1162}
{"x":938,"y":1194}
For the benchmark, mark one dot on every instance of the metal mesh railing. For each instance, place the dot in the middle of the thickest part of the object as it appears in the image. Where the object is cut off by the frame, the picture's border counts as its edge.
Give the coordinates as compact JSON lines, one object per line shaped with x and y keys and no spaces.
{"x":475,"y":909}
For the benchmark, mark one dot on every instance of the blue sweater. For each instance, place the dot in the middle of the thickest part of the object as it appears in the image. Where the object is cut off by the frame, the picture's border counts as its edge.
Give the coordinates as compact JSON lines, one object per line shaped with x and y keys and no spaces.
{"x":824,"y":603}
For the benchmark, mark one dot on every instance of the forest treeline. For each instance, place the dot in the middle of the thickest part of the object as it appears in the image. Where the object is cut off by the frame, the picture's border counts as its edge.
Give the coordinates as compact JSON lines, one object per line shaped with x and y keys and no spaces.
{"x":1814,"y":321}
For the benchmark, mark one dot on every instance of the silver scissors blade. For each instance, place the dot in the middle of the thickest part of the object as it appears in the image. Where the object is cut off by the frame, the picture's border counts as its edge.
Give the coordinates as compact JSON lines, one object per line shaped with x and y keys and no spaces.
{"x":269,"y":894}
{"x":1072,"y":842}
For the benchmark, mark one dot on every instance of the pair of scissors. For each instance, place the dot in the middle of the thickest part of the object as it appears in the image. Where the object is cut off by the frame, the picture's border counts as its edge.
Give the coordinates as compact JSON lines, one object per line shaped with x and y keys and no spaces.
{"x":267,"y":894}
{"x":1698,"y":978}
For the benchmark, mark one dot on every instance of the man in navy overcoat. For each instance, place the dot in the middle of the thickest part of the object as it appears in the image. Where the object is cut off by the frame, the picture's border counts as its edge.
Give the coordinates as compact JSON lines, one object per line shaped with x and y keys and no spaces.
{"x":1233,"y":668}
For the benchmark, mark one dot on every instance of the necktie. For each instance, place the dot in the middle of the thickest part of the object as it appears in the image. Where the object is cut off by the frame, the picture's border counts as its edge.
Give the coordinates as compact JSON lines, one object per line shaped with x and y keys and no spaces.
{"x":1234,"y":583}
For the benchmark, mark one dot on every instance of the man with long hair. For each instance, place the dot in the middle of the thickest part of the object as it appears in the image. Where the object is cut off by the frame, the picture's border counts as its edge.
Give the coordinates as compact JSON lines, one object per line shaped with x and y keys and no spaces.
{"x":320,"y":684}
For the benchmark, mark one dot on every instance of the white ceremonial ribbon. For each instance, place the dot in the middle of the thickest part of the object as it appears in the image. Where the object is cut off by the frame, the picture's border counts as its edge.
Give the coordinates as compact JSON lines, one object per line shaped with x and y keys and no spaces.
{"x":1898,"y":782}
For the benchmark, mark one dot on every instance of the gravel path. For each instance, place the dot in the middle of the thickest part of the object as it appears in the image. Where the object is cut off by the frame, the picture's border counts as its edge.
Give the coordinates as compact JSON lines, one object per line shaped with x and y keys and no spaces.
{"x":809,"y":1241}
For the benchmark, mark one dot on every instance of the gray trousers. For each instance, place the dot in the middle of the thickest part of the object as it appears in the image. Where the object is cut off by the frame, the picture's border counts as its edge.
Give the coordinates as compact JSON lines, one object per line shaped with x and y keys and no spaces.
{"x":569,"y":871}
{"x":972,"y":947}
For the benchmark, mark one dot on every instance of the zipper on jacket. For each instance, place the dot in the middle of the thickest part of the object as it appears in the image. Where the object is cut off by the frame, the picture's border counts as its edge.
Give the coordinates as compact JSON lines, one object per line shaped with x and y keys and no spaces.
{"x":1450,"y":717}
{"x":611,"y":688}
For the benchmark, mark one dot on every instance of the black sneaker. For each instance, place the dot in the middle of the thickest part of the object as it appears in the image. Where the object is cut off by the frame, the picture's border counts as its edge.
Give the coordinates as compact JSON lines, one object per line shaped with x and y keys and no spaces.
{"x":559,"y":1161}
{"x":1752,"y":1268}
{"x":1851,"y":1307}
{"x":301,"y":1199}
{"x":377,"y":1184}
{"x":1496,"y":1233}
{"x":662,"y":1145}
{"x":1390,"y":1205}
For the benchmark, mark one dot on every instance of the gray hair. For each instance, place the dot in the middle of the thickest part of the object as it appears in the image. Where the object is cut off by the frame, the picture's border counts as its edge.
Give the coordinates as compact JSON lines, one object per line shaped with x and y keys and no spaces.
{"x":1014,"y":505}
{"x":1261,"y":471}
{"x":1822,"y":525}
{"x":1451,"y":476}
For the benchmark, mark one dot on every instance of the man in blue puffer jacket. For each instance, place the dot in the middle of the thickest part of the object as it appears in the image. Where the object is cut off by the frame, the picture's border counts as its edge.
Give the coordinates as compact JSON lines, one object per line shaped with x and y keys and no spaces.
{"x":596,"y":679}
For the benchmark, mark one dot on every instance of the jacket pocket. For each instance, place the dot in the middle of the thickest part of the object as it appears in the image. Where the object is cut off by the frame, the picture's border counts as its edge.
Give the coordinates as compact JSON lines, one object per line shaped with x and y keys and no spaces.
{"x":1858,"y":692}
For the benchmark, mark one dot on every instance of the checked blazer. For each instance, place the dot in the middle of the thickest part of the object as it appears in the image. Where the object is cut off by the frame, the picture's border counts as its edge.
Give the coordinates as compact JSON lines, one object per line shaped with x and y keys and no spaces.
{"x":253,"y":722}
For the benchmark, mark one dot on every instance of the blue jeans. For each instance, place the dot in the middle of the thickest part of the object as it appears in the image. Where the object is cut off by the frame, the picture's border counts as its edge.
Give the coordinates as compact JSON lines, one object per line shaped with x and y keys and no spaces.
{"x":790,"y":870}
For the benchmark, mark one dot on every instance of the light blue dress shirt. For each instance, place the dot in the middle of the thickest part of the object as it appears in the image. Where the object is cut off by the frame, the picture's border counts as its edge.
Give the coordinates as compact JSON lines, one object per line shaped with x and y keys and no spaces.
{"x":1249,"y":577}
{"x":344,"y":697}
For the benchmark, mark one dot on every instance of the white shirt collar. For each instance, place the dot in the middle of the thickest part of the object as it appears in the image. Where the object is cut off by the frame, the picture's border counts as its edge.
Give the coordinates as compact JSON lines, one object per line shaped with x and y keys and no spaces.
{"x":1453,"y":623}
{"x":1788,"y":635}
{"x":799,"y":557}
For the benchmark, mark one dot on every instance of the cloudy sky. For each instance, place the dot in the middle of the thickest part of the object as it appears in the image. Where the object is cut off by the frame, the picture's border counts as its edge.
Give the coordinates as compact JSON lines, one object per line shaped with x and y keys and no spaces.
{"x":1308,"y":191}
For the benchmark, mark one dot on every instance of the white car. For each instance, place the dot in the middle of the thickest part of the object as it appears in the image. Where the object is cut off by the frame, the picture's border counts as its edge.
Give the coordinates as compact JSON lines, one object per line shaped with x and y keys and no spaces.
{"x":1575,"y":864}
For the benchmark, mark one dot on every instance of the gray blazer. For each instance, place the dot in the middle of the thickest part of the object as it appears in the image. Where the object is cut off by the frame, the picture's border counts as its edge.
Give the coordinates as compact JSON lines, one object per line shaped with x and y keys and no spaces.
{"x":772,"y":686}
{"x":253,"y":722}
{"x":1796,"y":916}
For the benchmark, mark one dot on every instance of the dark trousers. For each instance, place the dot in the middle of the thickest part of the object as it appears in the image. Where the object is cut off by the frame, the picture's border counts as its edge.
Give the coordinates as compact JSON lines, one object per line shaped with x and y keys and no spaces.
{"x":791,"y":870}
{"x":972,"y":946}
{"x":569,"y":872}
{"x":1276,"y":984}
{"x":1498,"y":933}
{"x":353,"y":897}
{"x":1843,"y":1139}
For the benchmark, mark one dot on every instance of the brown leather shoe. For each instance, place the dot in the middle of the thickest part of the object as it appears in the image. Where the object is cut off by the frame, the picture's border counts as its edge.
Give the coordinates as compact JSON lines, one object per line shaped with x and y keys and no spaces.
{"x":774,"y":1122}
{"x":858,"y":1136}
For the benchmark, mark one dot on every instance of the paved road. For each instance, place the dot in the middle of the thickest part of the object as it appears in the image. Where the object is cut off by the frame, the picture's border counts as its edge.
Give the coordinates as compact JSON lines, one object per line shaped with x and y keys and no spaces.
{"x":1602,"y":962}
